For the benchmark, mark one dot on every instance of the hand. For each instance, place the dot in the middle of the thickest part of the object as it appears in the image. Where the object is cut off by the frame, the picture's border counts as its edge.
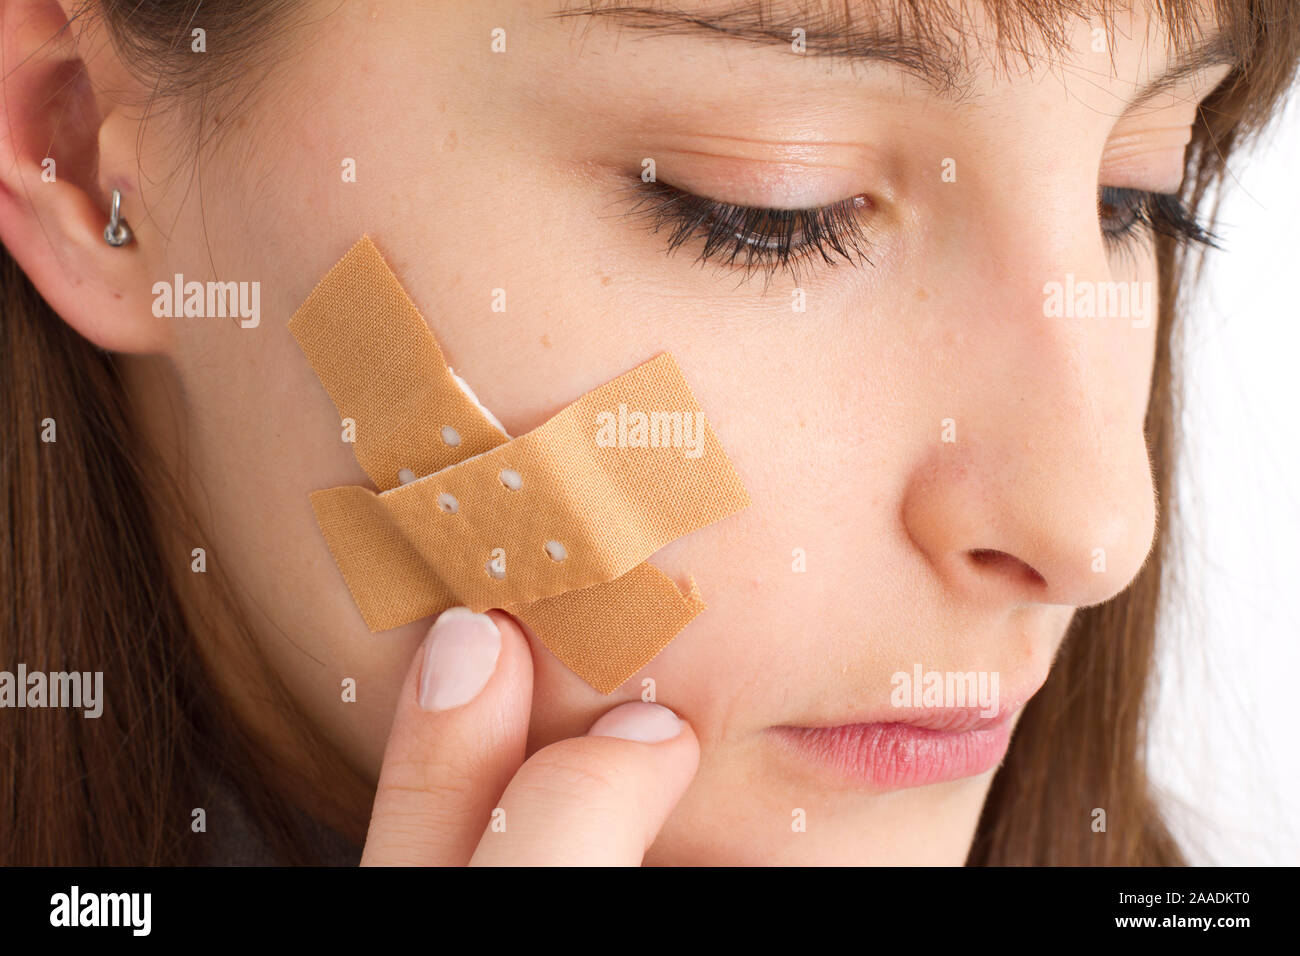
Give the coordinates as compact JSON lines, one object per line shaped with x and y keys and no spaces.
{"x":455,"y":755}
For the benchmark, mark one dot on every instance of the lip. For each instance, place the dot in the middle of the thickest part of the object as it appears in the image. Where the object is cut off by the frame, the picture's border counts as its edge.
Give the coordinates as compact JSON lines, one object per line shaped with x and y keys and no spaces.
{"x":925,"y":747}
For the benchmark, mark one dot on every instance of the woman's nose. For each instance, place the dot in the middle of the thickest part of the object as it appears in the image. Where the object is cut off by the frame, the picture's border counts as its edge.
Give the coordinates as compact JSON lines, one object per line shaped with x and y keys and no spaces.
{"x":1044,"y":493}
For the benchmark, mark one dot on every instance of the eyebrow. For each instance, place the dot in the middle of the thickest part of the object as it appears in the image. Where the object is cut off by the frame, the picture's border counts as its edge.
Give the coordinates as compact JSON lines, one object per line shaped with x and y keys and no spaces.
{"x":1211,"y":52}
{"x":923,"y":49}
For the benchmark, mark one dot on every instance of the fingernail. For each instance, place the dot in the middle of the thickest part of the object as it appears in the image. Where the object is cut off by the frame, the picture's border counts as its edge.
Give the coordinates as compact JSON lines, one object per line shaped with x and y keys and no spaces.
{"x":460,"y":655}
{"x":648,"y":723}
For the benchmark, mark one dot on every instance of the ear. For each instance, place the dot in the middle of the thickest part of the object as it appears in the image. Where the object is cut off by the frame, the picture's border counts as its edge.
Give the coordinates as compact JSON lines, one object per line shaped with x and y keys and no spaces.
{"x":63,"y":148}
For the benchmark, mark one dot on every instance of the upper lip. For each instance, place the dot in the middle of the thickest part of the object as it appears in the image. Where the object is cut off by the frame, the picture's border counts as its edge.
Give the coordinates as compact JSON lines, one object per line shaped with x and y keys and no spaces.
{"x":950,"y":720}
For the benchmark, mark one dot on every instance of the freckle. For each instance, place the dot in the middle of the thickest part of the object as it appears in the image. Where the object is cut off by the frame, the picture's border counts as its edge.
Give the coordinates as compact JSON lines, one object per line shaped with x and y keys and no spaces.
{"x":449,"y":142}
{"x":801,"y":423}
{"x":922,"y":295}
{"x":605,"y":280}
{"x":546,"y":341}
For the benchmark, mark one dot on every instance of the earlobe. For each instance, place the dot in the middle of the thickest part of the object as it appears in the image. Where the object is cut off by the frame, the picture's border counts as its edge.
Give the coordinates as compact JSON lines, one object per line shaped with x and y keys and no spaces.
{"x":53,"y":198}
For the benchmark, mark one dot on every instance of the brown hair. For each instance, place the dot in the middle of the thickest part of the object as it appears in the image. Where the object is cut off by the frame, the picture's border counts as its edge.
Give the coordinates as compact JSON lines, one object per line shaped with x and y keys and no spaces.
{"x":83,"y":584}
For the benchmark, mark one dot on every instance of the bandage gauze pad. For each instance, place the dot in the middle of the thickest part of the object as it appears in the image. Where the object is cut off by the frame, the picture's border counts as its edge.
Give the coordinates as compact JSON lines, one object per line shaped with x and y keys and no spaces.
{"x":554,"y":526}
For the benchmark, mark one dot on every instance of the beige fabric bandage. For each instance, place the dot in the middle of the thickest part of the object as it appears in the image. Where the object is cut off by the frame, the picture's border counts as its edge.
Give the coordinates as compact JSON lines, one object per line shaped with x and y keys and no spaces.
{"x":553,"y":526}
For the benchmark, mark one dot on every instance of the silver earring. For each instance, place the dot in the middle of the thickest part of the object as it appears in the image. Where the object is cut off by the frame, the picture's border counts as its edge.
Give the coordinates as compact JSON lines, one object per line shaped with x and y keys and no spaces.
{"x":117,"y":232}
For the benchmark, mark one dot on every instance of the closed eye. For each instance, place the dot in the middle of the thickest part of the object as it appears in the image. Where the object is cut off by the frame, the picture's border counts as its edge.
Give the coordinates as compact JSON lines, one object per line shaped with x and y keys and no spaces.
{"x":751,"y":238}
{"x":1129,"y":217}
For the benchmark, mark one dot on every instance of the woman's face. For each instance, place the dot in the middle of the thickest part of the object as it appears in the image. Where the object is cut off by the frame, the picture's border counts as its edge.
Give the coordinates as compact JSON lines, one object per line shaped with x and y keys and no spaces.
{"x":942,"y":467}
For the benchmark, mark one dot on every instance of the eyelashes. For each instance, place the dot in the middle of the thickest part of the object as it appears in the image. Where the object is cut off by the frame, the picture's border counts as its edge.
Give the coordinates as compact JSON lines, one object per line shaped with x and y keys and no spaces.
{"x":754,"y":239}
{"x":751,"y":239}
{"x":1131,"y":216}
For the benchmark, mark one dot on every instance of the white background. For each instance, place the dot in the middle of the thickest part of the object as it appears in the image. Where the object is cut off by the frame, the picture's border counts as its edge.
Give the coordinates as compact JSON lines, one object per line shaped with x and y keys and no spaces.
{"x":1226,"y":739}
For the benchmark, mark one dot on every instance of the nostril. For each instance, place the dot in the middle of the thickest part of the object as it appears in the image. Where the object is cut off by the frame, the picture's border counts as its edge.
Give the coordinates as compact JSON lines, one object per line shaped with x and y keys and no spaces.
{"x":1007,"y":564}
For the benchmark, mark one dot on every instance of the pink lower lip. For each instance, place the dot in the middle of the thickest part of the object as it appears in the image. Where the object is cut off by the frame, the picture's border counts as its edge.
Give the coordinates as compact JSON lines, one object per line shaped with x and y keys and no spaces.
{"x":891,"y":756}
